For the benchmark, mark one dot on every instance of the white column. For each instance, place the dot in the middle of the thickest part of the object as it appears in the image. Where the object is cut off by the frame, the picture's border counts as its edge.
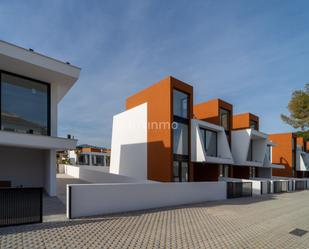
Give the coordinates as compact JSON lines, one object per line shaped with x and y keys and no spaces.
{"x":50,"y":173}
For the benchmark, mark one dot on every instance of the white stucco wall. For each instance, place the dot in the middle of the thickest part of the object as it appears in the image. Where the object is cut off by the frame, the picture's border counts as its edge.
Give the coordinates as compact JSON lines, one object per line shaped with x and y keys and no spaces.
{"x":129,"y":143}
{"x":100,"y":199}
{"x":95,"y":174}
{"x":23,"y":166}
{"x":198,"y":153}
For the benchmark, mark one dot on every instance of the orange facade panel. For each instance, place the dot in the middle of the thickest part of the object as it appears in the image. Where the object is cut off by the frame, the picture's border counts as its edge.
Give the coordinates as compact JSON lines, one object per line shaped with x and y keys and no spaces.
{"x":160,"y":118}
{"x":301,"y":142}
{"x":244,"y":121}
{"x":283,"y":153}
{"x":210,"y":111}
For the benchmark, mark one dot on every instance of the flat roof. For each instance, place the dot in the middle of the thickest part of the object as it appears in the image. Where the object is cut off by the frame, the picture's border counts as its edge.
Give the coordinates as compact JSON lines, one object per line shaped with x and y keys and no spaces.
{"x":28,"y":63}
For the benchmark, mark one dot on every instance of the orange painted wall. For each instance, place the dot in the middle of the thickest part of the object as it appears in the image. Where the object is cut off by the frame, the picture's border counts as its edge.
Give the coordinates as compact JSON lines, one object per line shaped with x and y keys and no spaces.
{"x":95,"y":150}
{"x":282,"y":153}
{"x":210,"y":111}
{"x":300,"y":142}
{"x":242,"y":121}
{"x":160,"y":111}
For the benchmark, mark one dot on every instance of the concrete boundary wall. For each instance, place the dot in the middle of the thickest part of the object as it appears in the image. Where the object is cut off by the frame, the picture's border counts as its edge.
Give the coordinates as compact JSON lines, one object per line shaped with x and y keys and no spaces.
{"x":88,"y":174}
{"x":99,"y":199}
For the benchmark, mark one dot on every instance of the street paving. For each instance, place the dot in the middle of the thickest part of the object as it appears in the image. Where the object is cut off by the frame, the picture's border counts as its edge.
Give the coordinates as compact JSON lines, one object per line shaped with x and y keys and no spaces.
{"x":264,"y":222}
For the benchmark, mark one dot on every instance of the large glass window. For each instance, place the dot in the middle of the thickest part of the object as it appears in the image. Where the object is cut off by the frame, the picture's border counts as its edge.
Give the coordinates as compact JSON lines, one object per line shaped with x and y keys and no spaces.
{"x":209,"y":139}
{"x":253,"y":125}
{"x":83,"y":159}
{"x":180,"y":139}
{"x":268,"y":152}
{"x":108,"y":159}
{"x":98,"y":160}
{"x":24,"y":105}
{"x":180,"y":104}
{"x":180,"y":171}
{"x":225,"y":118}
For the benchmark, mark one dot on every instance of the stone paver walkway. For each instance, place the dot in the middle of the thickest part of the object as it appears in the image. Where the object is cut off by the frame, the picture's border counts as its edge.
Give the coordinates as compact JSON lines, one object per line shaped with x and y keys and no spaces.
{"x":238,"y":223}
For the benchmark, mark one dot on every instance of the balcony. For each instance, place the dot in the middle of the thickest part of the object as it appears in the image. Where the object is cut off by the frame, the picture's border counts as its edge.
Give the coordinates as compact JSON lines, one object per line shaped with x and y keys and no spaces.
{"x":209,"y":143}
{"x":9,"y":138}
{"x":302,"y":160}
{"x":268,"y":157}
{"x":249,"y":147}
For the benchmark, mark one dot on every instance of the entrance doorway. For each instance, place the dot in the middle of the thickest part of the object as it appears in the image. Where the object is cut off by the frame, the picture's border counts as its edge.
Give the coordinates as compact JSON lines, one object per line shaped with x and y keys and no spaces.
{"x":180,"y":171}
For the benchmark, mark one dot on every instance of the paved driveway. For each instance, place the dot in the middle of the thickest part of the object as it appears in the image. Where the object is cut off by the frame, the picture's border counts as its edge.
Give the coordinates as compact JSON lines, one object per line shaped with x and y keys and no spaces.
{"x":238,"y":223}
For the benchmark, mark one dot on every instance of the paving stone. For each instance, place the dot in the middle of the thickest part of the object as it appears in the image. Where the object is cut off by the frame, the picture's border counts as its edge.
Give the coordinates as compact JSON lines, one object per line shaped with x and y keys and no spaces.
{"x":263,"y":222}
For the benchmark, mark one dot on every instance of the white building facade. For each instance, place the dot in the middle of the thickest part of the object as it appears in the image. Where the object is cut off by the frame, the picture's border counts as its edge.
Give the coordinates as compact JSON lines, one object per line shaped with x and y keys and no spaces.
{"x":32,"y":85}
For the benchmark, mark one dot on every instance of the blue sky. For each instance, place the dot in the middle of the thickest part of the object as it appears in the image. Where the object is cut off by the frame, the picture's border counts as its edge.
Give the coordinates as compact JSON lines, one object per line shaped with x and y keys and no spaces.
{"x":250,"y":53}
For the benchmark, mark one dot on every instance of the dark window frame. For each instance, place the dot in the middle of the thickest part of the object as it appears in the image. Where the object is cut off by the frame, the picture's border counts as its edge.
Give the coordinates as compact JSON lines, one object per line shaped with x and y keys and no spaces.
{"x":176,"y":157}
{"x":181,"y":120}
{"x":229,"y":118}
{"x":179,"y":169}
{"x":188,"y":104}
{"x":36,"y":81}
{"x":255,"y":124}
{"x":204,"y":142}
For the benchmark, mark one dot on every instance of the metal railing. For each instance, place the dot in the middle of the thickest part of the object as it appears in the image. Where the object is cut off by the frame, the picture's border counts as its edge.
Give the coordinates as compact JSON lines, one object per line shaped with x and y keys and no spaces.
{"x":21,"y":206}
{"x":239,"y":189}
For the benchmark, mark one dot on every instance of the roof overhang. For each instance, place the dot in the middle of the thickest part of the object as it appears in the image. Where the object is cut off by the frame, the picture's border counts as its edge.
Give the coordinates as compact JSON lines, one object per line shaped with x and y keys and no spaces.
{"x":277,"y":166}
{"x":30,"y":64}
{"x":35,"y":141}
{"x":257,"y":134}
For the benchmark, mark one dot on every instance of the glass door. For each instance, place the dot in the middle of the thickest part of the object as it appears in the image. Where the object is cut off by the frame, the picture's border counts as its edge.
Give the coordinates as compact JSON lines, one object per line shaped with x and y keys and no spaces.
{"x":180,"y":171}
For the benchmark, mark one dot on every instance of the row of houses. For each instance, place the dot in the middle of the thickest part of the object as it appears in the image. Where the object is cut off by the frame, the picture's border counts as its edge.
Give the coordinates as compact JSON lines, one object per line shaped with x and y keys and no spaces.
{"x":162,"y":136}
{"x":89,"y":155}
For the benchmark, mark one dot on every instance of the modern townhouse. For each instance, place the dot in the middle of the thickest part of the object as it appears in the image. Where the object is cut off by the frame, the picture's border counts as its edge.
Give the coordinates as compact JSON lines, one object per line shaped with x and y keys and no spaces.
{"x":212,"y":126}
{"x":152,"y":139}
{"x":32,"y":85}
{"x":163,"y":137}
{"x":291,"y":152}
{"x":250,"y":148}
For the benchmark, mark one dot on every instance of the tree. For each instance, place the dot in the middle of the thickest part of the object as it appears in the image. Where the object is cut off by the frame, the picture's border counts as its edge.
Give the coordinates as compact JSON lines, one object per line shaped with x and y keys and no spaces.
{"x":299,"y":109}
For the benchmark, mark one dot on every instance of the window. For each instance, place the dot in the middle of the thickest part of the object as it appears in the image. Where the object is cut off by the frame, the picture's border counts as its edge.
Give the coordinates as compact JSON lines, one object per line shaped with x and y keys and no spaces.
{"x":24,"y":105}
{"x":180,"y":104}
{"x":268,"y":152}
{"x":225,"y":118}
{"x":181,"y":135}
{"x":223,"y":170}
{"x":83,"y":159}
{"x":180,"y":171}
{"x":97,"y":160}
{"x":252,"y":172}
{"x":108,"y":159}
{"x":176,"y":171}
{"x":253,"y":125}
{"x":209,"y":139}
{"x":180,"y":139}
{"x":250,"y":151}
